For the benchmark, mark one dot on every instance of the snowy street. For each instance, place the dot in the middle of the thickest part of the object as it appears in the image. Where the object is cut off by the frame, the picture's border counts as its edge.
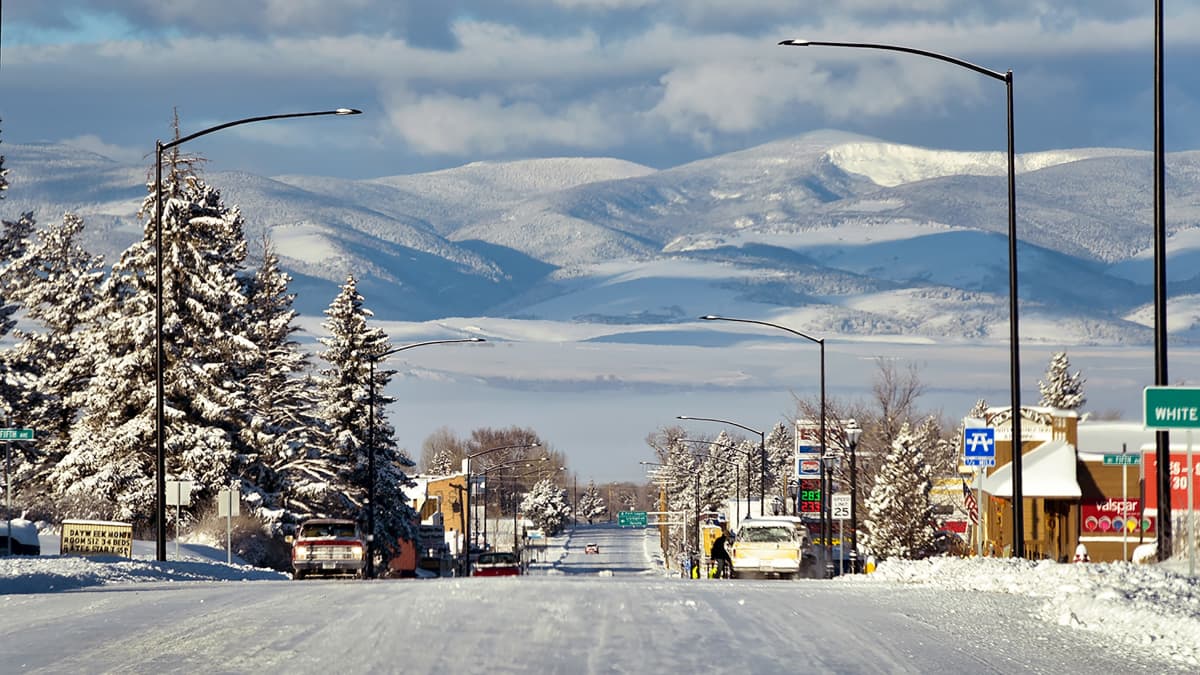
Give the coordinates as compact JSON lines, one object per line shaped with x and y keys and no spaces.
{"x":566,"y":617}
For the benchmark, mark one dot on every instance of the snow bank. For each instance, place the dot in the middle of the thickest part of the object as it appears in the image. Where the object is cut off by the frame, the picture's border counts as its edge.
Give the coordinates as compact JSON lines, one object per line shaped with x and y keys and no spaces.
{"x":41,"y":574}
{"x":1136,"y":604}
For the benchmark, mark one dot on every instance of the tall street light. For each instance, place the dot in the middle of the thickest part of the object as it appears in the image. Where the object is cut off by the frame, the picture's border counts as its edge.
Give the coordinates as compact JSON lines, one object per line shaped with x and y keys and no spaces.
{"x":736,"y":466}
{"x":1018,"y":495}
{"x":371,"y":360}
{"x":159,"y":351}
{"x":853,"y":433}
{"x":1162,"y":438}
{"x":826,"y":521}
{"x":510,"y":464}
{"x":762,"y":455}
{"x":470,"y":502}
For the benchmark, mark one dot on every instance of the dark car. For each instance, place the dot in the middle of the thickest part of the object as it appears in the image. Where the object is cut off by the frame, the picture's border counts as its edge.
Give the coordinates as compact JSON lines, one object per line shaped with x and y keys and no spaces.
{"x":24,"y":537}
{"x":498,"y":564}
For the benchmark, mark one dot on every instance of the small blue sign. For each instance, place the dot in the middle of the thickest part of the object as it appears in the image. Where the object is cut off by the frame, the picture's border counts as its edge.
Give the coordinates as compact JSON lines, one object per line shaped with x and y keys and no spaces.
{"x":979,"y":447}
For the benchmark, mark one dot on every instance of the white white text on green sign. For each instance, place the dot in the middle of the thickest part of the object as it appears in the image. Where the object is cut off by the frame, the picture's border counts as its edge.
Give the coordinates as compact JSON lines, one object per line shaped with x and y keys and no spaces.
{"x":1171,"y":407}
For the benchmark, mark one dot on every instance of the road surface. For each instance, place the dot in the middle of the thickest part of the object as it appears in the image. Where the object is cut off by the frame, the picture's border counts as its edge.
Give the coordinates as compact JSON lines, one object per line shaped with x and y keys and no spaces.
{"x":569,"y":619}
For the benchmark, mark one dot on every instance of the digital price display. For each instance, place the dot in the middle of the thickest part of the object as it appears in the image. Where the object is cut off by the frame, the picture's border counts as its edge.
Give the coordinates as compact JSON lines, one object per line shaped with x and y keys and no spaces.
{"x":810,"y":495}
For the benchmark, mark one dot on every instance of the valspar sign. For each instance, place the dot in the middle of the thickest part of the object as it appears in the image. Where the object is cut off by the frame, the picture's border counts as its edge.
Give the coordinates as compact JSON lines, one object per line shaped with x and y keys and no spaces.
{"x":96,"y":537}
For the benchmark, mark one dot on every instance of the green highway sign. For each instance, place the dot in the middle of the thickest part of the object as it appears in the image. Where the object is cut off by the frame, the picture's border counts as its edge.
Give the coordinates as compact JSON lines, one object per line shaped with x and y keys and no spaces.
{"x":1122,"y":459}
{"x":16,"y":434}
{"x":1171,"y":407}
{"x":631,"y":518}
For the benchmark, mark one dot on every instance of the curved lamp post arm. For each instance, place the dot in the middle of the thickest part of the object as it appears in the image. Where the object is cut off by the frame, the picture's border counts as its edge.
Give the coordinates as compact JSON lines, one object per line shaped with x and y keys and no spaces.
{"x":159,"y":349}
{"x":762,"y":451}
{"x":1003,"y":77}
{"x":1018,"y":509}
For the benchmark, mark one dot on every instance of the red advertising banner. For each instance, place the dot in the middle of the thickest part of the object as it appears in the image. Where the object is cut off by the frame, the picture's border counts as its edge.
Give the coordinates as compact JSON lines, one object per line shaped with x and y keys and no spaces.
{"x":1179,"y":480}
{"x":1112,"y":516}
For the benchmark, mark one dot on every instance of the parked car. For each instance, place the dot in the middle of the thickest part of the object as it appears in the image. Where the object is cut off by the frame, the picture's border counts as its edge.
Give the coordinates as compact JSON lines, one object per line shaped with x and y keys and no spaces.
{"x":591,"y":548}
{"x":496,"y":564}
{"x":24,"y":537}
{"x":328,"y":547}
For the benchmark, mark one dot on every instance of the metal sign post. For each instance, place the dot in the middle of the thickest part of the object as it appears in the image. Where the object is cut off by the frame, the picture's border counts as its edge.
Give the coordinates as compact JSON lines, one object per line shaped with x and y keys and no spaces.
{"x":229,"y":504}
{"x":179,"y":493}
{"x":9,"y":435}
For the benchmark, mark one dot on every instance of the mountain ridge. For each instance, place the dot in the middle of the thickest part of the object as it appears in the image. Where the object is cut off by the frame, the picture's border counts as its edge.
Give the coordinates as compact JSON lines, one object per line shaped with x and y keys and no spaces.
{"x":874,"y":237}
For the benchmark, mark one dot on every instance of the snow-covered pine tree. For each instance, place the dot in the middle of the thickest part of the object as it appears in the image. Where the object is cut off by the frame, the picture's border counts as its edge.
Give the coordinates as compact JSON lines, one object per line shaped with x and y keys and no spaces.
{"x":718,"y":473}
{"x":345,"y":404}
{"x":900,"y":513}
{"x":546,"y":505}
{"x":56,"y":282}
{"x":679,"y":478}
{"x":109,"y":467}
{"x":781,"y":450}
{"x":1061,"y":389}
{"x":591,"y":503}
{"x":280,"y":422}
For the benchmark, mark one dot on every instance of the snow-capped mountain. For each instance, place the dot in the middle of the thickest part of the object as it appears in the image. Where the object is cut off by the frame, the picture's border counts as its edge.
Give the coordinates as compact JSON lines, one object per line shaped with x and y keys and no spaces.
{"x":864,"y":237}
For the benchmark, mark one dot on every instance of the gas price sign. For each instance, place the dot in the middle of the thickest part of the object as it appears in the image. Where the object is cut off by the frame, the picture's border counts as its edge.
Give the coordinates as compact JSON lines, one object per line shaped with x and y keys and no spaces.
{"x":810,"y":496}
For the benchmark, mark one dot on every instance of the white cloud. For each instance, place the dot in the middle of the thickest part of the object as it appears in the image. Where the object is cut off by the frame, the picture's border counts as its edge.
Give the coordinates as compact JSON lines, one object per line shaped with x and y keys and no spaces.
{"x":93,"y":143}
{"x":454,"y":125}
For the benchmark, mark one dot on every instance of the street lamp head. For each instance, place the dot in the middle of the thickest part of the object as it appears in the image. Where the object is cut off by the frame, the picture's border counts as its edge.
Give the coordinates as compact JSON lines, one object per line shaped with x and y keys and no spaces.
{"x":710,"y":317}
{"x":682,"y":417}
{"x":795,"y":43}
{"x":347,"y":111}
{"x":476,"y":339}
{"x":853,"y":432}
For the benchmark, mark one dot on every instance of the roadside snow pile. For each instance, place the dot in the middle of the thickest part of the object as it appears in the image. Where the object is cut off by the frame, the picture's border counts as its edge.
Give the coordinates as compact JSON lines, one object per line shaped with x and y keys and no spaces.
{"x":41,"y":574}
{"x":1137,"y":604}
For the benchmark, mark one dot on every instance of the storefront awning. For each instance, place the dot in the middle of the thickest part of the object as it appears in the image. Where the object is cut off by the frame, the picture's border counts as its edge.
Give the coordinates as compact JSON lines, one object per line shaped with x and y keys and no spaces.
{"x":1046,"y":471}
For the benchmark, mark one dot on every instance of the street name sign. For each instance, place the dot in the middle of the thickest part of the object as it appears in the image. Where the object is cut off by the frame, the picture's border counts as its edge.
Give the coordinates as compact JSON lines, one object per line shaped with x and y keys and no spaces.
{"x":631,"y":518}
{"x":1122,"y":459}
{"x":16,"y":434}
{"x":1171,"y":407}
{"x":979,"y":446}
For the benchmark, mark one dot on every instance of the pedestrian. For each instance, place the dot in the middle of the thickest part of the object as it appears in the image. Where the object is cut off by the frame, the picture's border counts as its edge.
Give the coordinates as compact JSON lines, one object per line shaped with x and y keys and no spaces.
{"x":720,"y":555}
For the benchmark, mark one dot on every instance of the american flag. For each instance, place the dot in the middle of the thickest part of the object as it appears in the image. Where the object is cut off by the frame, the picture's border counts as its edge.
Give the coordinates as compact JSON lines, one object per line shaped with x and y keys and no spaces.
{"x":970,"y":504}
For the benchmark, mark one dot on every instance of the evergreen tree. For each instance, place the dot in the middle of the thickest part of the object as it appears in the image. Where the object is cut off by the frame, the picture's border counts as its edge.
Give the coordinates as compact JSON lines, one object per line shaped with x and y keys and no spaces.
{"x":717,"y":474}
{"x":591,"y":503}
{"x":899,"y":508}
{"x":109,"y":467}
{"x":280,"y":423}
{"x":57,"y":283}
{"x":345,"y":404}
{"x":781,"y":450}
{"x":547,"y":506}
{"x":1061,"y":389}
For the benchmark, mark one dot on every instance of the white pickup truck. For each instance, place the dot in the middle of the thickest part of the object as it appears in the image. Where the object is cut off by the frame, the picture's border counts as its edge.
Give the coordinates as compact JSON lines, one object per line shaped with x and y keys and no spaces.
{"x":772,"y":546}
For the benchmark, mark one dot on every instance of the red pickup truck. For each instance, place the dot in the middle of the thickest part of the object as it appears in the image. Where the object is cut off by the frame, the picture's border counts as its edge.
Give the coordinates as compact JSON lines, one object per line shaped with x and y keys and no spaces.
{"x":328,"y":547}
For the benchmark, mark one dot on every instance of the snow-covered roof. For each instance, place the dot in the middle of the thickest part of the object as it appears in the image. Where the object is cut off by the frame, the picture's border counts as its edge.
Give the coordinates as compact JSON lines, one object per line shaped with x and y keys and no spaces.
{"x":1108,"y":438}
{"x":1047,"y":471}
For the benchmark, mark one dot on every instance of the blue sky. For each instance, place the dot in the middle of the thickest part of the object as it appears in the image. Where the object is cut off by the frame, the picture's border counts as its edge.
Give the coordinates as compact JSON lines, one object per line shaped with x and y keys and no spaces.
{"x":659,"y":82}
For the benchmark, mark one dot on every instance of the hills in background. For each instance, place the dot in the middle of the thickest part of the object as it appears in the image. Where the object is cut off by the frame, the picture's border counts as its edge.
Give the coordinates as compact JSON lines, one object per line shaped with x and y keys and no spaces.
{"x":849,"y":235}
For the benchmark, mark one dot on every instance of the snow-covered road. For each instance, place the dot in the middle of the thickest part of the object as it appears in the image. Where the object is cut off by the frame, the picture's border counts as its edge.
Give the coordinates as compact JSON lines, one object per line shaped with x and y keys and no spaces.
{"x":613,"y":612}
{"x":547,"y":624}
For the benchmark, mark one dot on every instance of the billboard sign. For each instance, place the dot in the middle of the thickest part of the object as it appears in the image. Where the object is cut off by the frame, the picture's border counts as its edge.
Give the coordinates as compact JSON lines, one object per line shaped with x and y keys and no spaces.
{"x":1179,"y":481}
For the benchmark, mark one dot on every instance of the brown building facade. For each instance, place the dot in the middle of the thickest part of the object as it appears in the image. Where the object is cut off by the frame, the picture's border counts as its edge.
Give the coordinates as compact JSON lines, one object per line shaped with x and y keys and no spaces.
{"x":1071,"y":494}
